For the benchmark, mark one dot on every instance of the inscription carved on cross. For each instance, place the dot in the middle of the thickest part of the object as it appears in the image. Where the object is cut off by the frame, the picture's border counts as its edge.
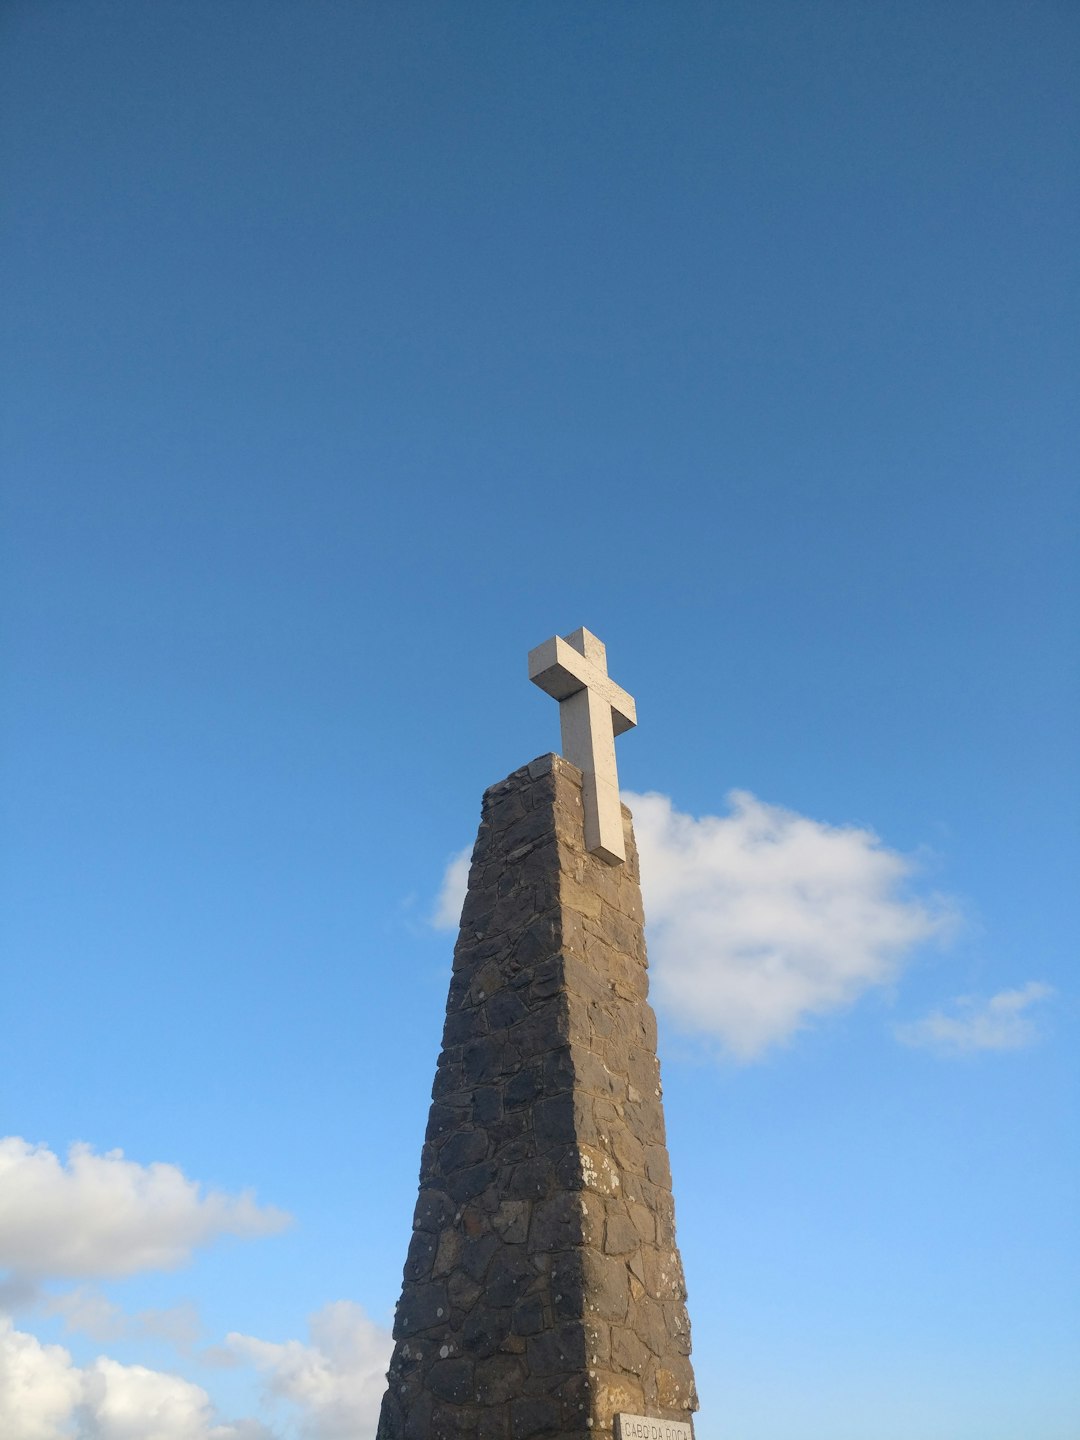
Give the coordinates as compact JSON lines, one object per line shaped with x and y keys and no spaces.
{"x":592,"y":711}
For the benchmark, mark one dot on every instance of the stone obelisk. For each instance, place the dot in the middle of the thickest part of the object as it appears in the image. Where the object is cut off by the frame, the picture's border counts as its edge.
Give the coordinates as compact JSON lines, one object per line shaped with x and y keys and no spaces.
{"x":543,"y":1291}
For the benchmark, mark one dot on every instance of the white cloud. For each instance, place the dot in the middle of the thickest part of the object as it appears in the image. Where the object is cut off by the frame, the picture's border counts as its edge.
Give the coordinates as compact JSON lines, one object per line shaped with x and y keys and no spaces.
{"x":103,"y":1215}
{"x":337,"y":1381}
{"x":995,"y":1024}
{"x":447,"y":912}
{"x":178,"y":1324}
{"x":39,"y":1387}
{"x":87,"y":1311}
{"x":130,"y":1402}
{"x":44,"y":1396}
{"x":763,"y":918}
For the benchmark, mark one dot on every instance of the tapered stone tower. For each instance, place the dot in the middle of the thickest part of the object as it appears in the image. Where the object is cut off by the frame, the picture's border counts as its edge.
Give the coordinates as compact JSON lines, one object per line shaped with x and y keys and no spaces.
{"x":543,"y":1291}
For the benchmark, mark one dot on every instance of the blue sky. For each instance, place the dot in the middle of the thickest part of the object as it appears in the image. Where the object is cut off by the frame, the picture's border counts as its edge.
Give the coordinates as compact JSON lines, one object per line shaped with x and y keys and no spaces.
{"x":351,"y":351}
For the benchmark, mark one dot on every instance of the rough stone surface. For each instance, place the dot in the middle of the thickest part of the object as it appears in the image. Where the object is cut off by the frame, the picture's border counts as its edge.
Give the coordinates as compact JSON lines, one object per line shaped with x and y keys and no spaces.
{"x":543,"y":1290}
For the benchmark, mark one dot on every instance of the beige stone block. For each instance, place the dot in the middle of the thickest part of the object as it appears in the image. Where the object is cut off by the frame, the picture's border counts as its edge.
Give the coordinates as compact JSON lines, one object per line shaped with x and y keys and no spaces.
{"x":629,"y":1151}
{"x":615,"y":1394}
{"x":580,"y":898}
{"x":628,"y":1352}
{"x":599,"y":1172}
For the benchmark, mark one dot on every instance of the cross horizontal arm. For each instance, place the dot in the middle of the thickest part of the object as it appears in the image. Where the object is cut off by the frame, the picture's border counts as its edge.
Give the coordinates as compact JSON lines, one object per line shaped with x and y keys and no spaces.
{"x":562,"y":671}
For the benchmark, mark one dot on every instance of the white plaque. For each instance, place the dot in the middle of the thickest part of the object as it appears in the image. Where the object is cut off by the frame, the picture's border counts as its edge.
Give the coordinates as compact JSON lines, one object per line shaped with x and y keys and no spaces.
{"x":645,"y":1427}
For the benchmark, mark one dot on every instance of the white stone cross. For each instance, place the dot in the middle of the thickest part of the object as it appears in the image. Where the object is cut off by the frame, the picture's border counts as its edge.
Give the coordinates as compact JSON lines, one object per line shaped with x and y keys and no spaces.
{"x":592,"y":711}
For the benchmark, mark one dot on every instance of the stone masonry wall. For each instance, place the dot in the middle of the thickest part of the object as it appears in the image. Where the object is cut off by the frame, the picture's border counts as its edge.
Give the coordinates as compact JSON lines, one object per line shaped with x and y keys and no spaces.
{"x":543,"y":1290}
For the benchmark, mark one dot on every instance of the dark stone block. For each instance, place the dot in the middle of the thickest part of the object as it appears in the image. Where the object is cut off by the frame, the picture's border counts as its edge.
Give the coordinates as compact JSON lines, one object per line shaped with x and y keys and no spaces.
{"x":546,"y":1025}
{"x":489,"y":977}
{"x":544,"y":889}
{"x":465,"y":1147}
{"x":488,"y":1059}
{"x":461,"y":1026}
{"x":429,"y":1169}
{"x":391,"y":1418}
{"x":476,"y":913}
{"x":420,"y":1308}
{"x":441,"y":1119}
{"x":531,"y":1179}
{"x":467,"y":1184}
{"x":512,"y":1136}
{"x":474,"y":1221}
{"x":452,"y":1380}
{"x":524,"y":1087}
{"x":568,"y":1285}
{"x":476,"y":1255}
{"x":568,"y":1172}
{"x":556,"y":1352}
{"x":511,"y":1221}
{"x":509,"y":1277}
{"x":574,"y":1398}
{"x":487,"y":1105}
{"x":453,"y":1422}
{"x":421,"y":1255}
{"x":434,"y":1210}
{"x":537,"y":1415}
{"x":448,"y":1078}
{"x":505,"y":809}
{"x":547,"y":979}
{"x":499,"y":1378}
{"x":536,"y":825}
{"x":554,"y":1121}
{"x":559,"y":1073}
{"x":528,"y":1318}
{"x":505,"y":1009}
{"x":494,"y":1424}
{"x":485,"y":1329}
{"x":540,"y":939}
{"x":418,"y":1420}
{"x":556,"y":1223}
{"x":463,"y":1291}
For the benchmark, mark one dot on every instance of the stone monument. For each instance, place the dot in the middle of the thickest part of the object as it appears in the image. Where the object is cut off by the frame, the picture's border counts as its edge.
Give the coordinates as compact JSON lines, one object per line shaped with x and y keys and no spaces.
{"x":543,"y":1292}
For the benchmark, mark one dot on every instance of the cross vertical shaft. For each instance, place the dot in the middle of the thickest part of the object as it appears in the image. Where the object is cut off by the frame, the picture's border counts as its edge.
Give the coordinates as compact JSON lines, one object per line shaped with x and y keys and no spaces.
{"x":592,"y":711}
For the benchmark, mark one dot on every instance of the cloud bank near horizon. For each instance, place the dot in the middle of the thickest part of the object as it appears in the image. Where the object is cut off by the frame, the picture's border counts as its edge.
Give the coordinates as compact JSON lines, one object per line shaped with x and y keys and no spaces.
{"x":336,"y":1381}
{"x":105,"y":1216}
